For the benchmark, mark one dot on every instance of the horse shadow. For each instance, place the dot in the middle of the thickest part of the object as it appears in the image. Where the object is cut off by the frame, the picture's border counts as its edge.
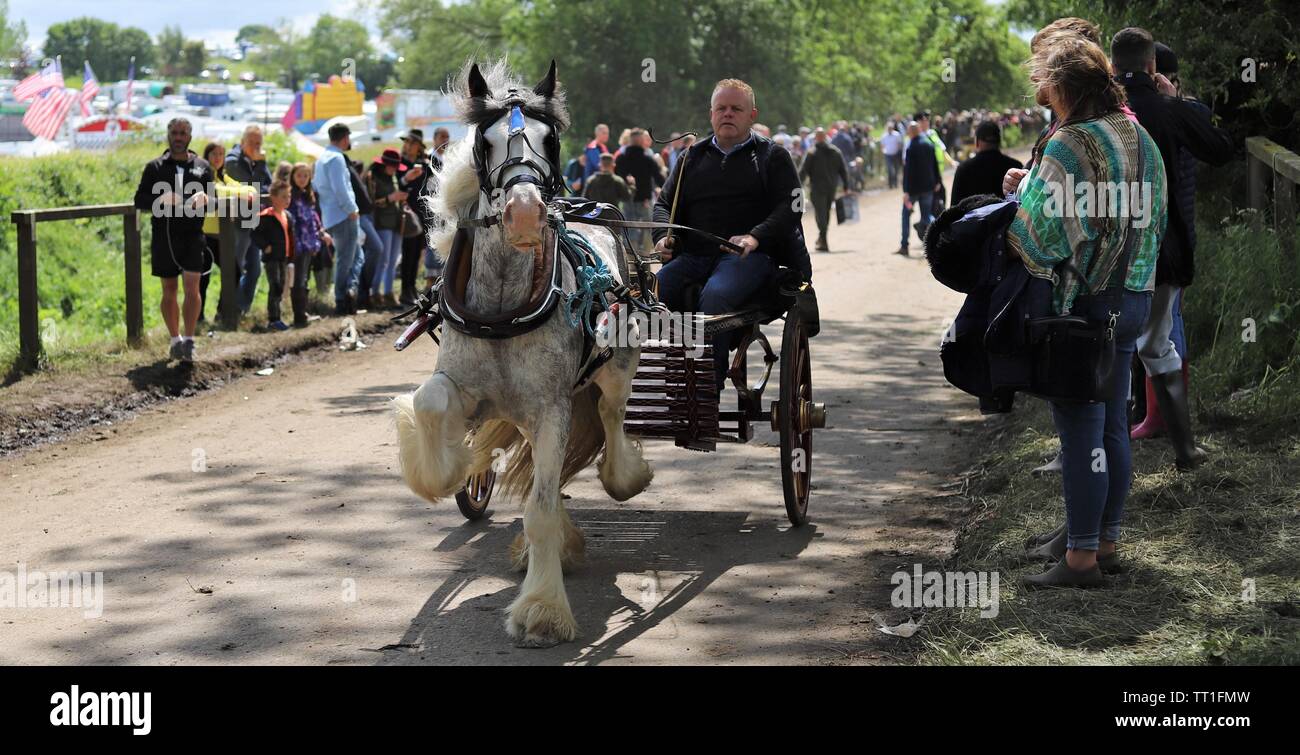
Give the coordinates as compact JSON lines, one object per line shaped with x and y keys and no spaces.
{"x":663,"y":559}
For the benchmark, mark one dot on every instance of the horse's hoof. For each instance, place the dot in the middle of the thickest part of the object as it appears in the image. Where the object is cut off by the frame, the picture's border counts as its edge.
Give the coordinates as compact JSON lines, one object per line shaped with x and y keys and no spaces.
{"x":535,"y":642}
{"x":535,"y":623}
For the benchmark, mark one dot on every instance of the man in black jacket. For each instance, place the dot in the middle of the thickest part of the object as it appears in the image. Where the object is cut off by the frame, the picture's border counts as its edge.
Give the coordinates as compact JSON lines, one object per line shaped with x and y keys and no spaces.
{"x":920,"y":181}
{"x":639,"y":169}
{"x":1174,"y":124}
{"x":825,"y":166}
{"x":983,"y":173}
{"x":737,"y":185}
{"x":174,"y":190}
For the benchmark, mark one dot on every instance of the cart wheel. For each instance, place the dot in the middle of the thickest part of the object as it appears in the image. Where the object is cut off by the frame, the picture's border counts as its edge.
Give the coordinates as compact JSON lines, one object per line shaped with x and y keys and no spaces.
{"x":472,"y":500}
{"x":794,"y":418}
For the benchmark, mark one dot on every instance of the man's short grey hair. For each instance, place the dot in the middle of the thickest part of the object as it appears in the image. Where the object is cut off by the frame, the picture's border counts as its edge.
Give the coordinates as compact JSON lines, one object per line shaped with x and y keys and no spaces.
{"x":178,"y":121}
{"x":735,"y":84}
{"x":249,"y":130}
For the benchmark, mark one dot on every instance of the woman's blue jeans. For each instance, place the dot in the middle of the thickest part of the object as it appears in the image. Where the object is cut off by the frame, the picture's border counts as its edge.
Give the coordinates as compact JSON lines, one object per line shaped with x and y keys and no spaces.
{"x":390,"y":244}
{"x":1096,"y":460}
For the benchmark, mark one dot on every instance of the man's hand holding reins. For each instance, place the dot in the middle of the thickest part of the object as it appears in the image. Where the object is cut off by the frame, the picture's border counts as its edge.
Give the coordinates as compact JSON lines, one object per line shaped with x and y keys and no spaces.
{"x":746,"y":242}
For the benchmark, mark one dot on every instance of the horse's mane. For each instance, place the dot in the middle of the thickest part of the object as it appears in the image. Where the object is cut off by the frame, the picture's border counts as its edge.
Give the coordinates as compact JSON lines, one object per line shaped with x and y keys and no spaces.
{"x":457,"y":182}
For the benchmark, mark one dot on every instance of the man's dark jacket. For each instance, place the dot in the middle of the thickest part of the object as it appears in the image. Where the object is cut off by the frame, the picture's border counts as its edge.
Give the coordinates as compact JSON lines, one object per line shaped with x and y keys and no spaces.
{"x":636,"y":162}
{"x":246,"y":170}
{"x":753,"y":190}
{"x":982,"y":174}
{"x":920,"y":167}
{"x":195,"y":177}
{"x":824,"y":165}
{"x":1175,"y":124}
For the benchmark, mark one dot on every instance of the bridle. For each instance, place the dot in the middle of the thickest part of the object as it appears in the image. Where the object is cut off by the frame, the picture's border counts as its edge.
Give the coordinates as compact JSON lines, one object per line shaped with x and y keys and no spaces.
{"x":545,"y":174}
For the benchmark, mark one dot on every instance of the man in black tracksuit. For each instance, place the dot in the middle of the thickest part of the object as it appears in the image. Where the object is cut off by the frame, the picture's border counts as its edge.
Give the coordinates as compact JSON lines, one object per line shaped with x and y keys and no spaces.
{"x":1174,"y":124}
{"x":174,"y":191}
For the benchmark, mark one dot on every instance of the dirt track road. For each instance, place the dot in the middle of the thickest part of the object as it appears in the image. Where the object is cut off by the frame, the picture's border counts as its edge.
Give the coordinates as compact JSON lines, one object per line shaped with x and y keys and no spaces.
{"x":314,"y":552}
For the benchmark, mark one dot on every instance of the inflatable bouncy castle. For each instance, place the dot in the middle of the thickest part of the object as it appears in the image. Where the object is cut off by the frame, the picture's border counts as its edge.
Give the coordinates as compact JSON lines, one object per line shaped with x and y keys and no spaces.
{"x":318,"y":102}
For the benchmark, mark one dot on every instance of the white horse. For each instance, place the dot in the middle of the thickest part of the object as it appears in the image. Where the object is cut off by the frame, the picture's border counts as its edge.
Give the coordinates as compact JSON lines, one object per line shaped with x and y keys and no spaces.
{"x":516,"y":394}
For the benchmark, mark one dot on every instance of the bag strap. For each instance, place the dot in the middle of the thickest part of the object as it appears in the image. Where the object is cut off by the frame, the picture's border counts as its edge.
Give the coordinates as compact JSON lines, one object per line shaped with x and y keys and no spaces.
{"x":1120,"y":274}
{"x":1115,"y":283}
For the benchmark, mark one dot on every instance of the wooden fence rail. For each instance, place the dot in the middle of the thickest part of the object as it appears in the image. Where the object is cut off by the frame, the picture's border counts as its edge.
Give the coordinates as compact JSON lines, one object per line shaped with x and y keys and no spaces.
{"x":1270,"y":163}
{"x":31,"y":350}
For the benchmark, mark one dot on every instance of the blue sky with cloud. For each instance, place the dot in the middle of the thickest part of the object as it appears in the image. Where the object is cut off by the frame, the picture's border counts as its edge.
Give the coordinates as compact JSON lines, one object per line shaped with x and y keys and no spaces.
{"x":215,"y":22}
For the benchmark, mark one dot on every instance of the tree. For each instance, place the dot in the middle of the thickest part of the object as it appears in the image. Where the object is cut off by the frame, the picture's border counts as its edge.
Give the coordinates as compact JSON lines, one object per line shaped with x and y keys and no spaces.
{"x":13,"y":36}
{"x":654,"y":62}
{"x":107,"y":46}
{"x":333,"y":40}
{"x":435,"y":38}
{"x":193,"y":58}
{"x":252,"y":34}
{"x":1241,"y":60}
{"x":282,"y":51}
{"x":171,"y":49}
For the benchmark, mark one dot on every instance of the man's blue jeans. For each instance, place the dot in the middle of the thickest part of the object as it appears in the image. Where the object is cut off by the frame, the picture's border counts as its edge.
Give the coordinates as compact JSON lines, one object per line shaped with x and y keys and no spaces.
{"x":348,"y":257}
{"x":1096,"y":460}
{"x":370,"y":249}
{"x":729,"y":281}
{"x":924,"y":201}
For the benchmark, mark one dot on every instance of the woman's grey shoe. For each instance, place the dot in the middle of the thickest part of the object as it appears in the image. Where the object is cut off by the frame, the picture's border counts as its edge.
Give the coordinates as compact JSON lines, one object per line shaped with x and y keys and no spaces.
{"x":1061,"y":575}
{"x":187,"y":351}
{"x":1052,"y":550}
{"x":1036,"y":540}
{"x":176,"y":350}
{"x":1051,"y":467}
{"x":1109,"y":563}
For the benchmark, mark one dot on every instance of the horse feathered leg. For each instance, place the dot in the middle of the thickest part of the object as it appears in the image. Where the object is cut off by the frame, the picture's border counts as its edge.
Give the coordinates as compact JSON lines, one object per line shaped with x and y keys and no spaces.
{"x":431,"y":429}
{"x":540,"y":616}
{"x":623,"y":469}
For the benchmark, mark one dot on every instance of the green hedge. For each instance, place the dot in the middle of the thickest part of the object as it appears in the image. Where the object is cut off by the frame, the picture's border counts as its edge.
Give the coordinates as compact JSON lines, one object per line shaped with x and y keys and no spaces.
{"x":80,"y":278}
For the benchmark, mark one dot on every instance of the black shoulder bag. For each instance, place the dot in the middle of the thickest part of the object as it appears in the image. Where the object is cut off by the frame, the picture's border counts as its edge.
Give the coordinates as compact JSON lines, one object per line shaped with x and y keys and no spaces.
{"x":1074,"y":357}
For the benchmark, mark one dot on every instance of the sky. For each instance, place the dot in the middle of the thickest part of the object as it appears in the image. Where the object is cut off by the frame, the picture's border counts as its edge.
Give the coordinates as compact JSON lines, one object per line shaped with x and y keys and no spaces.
{"x":207,"y":20}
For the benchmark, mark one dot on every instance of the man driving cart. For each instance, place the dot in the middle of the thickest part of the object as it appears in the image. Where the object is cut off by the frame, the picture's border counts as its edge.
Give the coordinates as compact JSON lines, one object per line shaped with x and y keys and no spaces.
{"x":740,"y":186}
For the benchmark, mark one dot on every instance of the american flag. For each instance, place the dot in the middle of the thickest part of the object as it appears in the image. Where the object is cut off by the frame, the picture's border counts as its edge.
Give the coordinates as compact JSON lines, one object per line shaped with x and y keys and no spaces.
{"x":45,"y":116}
{"x":48,"y":77}
{"x":130,"y":85}
{"x":89,"y":88}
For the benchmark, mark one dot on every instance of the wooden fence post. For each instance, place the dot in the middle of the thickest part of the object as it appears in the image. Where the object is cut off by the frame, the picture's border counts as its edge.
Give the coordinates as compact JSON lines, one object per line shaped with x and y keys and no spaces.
{"x":134,"y":293}
{"x":1257,"y":182}
{"x":1284,"y":213}
{"x":30,"y":352}
{"x":228,"y":305}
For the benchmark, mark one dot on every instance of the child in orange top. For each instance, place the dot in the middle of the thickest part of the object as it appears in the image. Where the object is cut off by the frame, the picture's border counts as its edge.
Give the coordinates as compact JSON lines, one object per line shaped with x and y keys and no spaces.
{"x":274,"y":236}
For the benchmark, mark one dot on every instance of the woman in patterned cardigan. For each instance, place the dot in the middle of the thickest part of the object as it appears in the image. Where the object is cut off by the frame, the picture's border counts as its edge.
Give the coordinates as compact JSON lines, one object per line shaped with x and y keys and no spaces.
{"x":1086,"y":192}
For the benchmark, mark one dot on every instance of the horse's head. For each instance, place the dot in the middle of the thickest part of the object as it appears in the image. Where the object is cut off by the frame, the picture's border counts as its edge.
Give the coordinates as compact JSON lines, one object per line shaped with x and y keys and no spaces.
{"x":517,"y":154}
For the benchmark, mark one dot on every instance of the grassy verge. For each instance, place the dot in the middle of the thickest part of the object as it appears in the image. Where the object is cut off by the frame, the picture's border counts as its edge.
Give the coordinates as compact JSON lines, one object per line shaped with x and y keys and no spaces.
{"x":1189,"y":542}
{"x":1213,"y":556}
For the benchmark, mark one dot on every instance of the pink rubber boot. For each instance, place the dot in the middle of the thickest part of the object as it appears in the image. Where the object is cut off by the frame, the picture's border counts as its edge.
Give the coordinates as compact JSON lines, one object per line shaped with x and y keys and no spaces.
{"x":1152,"y":426}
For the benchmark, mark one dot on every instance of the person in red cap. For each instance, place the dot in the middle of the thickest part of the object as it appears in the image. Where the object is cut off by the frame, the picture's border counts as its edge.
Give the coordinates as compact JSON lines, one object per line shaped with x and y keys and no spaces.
{"x":386,"y":191}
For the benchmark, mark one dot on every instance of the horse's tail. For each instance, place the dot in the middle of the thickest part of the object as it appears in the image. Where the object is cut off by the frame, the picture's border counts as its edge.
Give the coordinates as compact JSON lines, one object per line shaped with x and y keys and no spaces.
{"x":586,"y":438}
